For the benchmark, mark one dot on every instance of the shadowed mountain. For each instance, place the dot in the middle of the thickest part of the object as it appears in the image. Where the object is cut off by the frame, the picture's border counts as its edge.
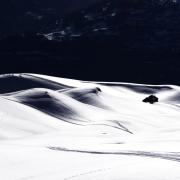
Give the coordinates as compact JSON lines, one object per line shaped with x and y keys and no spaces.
{"x":130,"y":41}
{"x":19,"y":16}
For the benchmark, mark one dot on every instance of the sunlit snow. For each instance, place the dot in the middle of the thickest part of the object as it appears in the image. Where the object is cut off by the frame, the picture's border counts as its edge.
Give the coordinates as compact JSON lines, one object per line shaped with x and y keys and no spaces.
{"x":61,"y":129}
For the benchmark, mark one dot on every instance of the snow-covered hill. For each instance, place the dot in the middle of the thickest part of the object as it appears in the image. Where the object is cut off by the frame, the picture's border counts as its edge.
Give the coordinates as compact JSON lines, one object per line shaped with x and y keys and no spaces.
{"x":55,"y":128}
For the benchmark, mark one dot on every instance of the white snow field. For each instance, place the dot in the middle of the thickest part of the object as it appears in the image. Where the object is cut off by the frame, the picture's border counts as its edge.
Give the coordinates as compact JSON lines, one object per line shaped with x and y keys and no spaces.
{"x":61,"y":129}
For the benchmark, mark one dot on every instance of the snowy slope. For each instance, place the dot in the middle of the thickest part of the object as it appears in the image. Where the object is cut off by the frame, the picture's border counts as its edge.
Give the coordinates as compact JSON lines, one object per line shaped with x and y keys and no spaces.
{"x":55,"y":128}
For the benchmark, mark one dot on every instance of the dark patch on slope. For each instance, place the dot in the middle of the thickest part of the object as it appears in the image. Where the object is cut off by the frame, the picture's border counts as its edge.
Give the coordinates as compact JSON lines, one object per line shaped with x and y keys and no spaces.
{"x":148,"y":89}
{"x":87,"y":96}
{"x":42,"y":100}
{"x":11,"y":83}
{"x":140,"y":88}
{"x":52,"y":107}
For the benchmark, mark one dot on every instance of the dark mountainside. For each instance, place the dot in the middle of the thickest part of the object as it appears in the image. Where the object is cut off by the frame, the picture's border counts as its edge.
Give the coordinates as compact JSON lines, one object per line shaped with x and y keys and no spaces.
{"x":19,"y":16}
{"x":114,"y":40}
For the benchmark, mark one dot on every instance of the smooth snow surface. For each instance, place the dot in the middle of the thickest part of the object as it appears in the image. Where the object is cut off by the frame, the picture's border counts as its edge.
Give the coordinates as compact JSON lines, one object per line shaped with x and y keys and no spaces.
{"x":61,"y":129}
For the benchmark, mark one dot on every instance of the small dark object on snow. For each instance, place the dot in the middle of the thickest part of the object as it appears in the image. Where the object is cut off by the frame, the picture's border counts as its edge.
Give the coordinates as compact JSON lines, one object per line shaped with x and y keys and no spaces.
{"x":151,"y":99}
{"x":98,"y":89}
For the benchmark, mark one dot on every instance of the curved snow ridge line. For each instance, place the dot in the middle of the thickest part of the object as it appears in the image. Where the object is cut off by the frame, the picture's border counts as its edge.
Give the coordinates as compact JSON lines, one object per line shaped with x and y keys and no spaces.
{"x":137,"y":88}
{"x":57,"y":110}
{"x":65,"y":98}
{"x":56,"y":83}
{"x":17,"y":82}
{"x":136,"y":84}
{"x":77,"y":121}
{"x":87,"y":96}
{"x":81,"y":83}
{"x":119,"y":126}
{"x":173,"y":156}
{"x":165,"y":92}
{"x":62,"y":106}
{"x":65,"y":81}
{"x":169,"y":93}
{"x":27,"y":76}
{"x":142,"y":88}
{"x":48,"y":80}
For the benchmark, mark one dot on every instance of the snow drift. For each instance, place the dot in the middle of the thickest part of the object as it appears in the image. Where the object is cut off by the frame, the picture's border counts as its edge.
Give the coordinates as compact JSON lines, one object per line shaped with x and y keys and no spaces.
{"x":56,"y":128}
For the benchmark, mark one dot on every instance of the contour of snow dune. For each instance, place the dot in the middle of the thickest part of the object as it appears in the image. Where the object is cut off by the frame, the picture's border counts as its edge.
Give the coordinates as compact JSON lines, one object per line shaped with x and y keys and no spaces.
{"x":57,"y":128}
{"x":17,"y":82}
{"x":18,"y":120}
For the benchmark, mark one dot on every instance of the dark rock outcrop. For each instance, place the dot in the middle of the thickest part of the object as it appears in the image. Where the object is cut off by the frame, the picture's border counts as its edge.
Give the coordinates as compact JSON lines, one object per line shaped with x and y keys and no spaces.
{"x":151,"y":99}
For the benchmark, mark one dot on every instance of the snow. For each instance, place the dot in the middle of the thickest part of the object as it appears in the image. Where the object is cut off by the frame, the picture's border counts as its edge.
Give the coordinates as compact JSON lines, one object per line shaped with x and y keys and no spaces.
{"x":57,"y":128}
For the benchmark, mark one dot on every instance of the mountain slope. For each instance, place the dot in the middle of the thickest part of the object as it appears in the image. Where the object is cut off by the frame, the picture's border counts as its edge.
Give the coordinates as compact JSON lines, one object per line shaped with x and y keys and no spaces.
{"x":60,"y":132}
{"x":86,"y":103}
{"x":19,"y":16}
{"x":130,"y":41}
{"x":132,"y":25}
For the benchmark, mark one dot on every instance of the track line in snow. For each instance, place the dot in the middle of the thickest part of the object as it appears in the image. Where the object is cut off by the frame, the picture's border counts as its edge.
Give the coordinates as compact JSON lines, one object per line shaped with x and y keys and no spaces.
{"x":173,"y":156}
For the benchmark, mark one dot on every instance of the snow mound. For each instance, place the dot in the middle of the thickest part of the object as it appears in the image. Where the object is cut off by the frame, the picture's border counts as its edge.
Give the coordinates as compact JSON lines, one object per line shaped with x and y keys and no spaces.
{"x":86,"y":95}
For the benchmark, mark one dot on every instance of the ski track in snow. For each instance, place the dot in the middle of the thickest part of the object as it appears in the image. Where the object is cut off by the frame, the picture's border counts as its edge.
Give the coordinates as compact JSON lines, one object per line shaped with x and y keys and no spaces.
{"x":56,"y":128}
{"x":174,"y":156}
